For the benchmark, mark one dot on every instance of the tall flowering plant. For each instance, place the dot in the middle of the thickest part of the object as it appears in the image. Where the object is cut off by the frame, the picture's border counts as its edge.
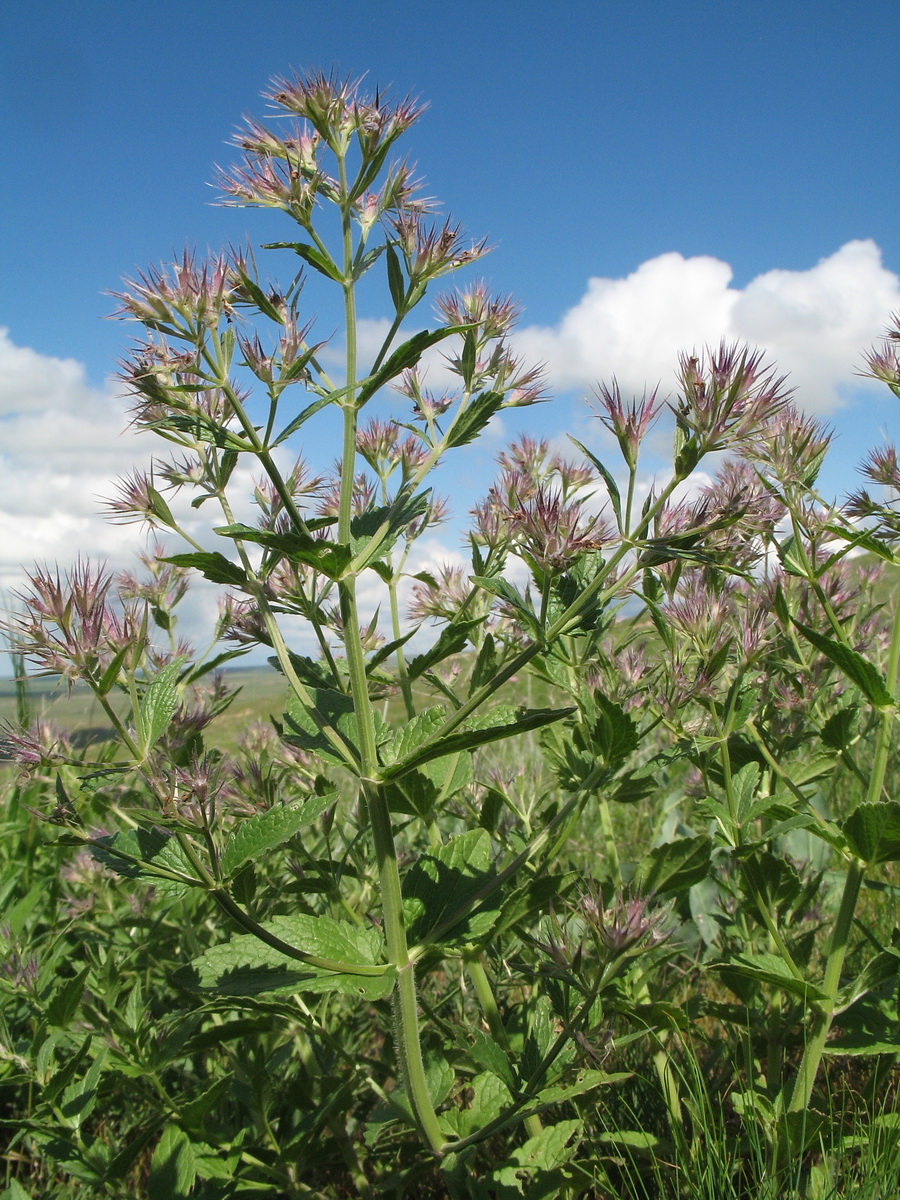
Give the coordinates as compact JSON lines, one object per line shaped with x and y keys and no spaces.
{"x":414,"y":855}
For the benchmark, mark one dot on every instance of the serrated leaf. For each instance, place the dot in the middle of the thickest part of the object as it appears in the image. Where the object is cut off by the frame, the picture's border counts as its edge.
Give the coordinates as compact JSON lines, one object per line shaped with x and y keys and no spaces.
{"x":135,"y":853}
{"x":744,"y":785}
{"x":422,"y":726}
{"x":873,"y":831}
{"x":810,"y":770}
{"x":864,"y":674}
{"x":420,"y":792}
{"x":266,"y":830}
{"x":859,"y":1043}
{"x":837,"y":732}
{"x":329,"y":558}
{"x":487,"y":1054}
{"x":305,"y":414}
{"x":489,"y":1097}
{"x":173,"y":1169}
{"x":548,"y":1149}
{"x":632,"y":1139}
{"x":158,"y":704}
{"x":674,"y":866}
{"x":770,"y":969}
{"x":481,"y":730}
{"x":336,"y":710}
{"x":485,"y":664}
{"x":383,"y":525}
{"x":67,"y":1000}
{"x":614,"y":732}
{"x":246,"y":966}
{"x":212,"y":566}
{"x":474,"y":418}
{"x":444,"y":882}
{"x":15,"y":1191}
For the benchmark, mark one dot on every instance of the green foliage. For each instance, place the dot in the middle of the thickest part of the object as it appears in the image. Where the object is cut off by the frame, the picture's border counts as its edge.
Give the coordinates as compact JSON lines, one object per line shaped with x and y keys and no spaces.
{"x":575,"y":901}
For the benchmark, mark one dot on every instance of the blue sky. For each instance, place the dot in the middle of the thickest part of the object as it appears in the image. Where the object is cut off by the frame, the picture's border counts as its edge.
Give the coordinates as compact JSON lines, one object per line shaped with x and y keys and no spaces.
{"x":651,"y":174}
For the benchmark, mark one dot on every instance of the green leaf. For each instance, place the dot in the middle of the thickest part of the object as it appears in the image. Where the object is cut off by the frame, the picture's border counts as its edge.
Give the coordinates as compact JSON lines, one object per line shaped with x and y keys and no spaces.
{"x":396,"y":283}
{"x":548,"y":1149}
{"x":585,"y":1081}
{"x":67,"y":1000}
{"x":80,"y":1096}
{"x":246,"y":966}
{"x":873,"y":832}
{"x":792,"y":557}
{"x":330,"y":558}
{"x":485,"y":664}
{"x":481,"y":730}
{"x":614,"y":732}
{"x":633,"y":1140}
{"x":110,"y":676}
{"x":421,"y":792}
{"x":864,"y":674}
{"x":615,"y":498}
{"x":384,"y":525}
{"x":405,"y":356}
{"x":315,"y":258}
{"x":212,"y":566}
{"x":173,"y":1170}
{"x":772,"y":970}
{"x":334,"y":709}
{"x":744,"y":784}
{"x":811,"y":769}
{"x":443,"y":883}
{"x":862,"y":1043}
{"x":489,"y":1097}
{"x":158,"y":704}
{"x":151,"y":855}
{"x":304,"y":415}
{"x":510,"y":595}
{"x":487,"y":1054}
{"x":452,"y":639}
{"x":266,"y":830}
{"x":15,"y":1191}
{"x":674,"y":866}
{"x":880,"y":970}
{"x":423,"y":726}
{"x":837,"y":732}
{"x":473,"y":418}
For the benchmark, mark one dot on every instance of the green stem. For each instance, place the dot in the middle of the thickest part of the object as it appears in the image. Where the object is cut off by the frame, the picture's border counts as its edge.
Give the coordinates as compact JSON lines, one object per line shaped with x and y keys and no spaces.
{"x":408,"y":1046}
{"x":812,"y":1055}
{"x":815,"y":1046}
{"x":400,"y":658}
{"x":486,"y":999}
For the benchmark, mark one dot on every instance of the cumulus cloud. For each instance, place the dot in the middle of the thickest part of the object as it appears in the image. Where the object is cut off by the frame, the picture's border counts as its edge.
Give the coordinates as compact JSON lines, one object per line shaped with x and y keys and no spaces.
{"x":61,"y":444}
{"x":815,"y":323}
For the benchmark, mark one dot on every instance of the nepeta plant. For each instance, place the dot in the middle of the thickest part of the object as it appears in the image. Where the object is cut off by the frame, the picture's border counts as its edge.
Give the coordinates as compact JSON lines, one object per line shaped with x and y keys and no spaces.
{"x":377,"y":845}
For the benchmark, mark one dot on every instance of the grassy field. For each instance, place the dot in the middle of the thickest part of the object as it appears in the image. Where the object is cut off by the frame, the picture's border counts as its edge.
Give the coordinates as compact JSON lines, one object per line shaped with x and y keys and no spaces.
{"x":261,"y":694}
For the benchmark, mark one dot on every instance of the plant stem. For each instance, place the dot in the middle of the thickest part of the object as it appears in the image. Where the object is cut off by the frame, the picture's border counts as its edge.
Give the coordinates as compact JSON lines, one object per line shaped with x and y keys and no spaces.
{"x":408,"y":1046}
{"x":812,"y":1055}
{"x":486,"y":999}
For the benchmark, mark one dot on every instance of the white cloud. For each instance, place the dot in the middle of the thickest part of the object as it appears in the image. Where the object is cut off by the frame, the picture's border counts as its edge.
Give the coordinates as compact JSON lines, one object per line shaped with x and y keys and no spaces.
{"x":61,"y":443}
{"x":815,"y":323}
{"x":32,"y":382}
